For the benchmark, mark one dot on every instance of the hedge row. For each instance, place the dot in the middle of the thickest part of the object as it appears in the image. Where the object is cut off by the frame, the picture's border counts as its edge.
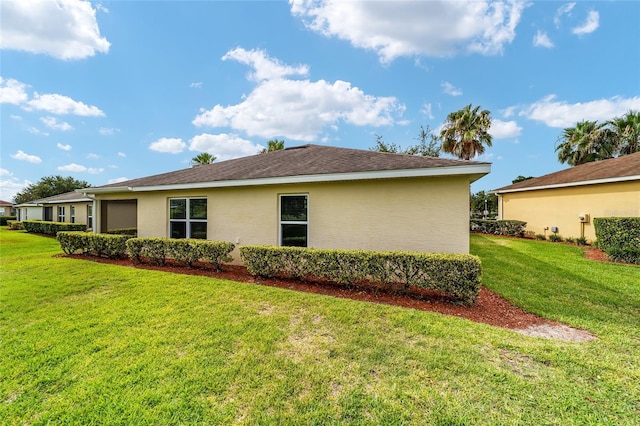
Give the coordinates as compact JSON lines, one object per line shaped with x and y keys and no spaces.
{"x":112,"y":246}
{"x":457,"y":275}
{"x":619,"y":237}
{"x":16,"y":225}
{"x":123,"y":231}
{"x":186,"y":251}
{"x":514,"y":228}
{"x":5,"y":219}
{"x":51,"y":228}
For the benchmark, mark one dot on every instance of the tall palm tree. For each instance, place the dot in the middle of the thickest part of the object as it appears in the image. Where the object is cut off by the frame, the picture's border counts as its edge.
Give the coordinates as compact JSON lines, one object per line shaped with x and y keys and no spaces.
{"x":273,"y":145}
{"x":627,"y":131}
{"x":587,"y":141}
{"x":465,"y":132}
{"x":202,"y":159}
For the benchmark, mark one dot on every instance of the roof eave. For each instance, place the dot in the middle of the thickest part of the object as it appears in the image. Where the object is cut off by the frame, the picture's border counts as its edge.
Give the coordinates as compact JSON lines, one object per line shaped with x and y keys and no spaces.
{"x":474,"y":171}
{"x":567,"y":184}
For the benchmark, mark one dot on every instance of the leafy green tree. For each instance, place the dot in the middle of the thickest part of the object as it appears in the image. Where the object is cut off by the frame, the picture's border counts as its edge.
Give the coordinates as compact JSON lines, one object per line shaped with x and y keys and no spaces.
{"x":466,"y":132}
{"x":49,"y":186}
{"x":202,"y":159}
{"x":627,"y":132}
{"x":521,"y":178}
{"x":427,"y":147}
{"x":273,"y":145}
{"x":481,"y":202}
{"x":587,"y":141}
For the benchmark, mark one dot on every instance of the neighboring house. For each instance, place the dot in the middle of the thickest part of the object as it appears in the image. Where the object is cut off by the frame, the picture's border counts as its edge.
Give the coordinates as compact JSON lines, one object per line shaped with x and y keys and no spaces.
{"x":6,"y":208}
{"x":315,"y":196}
{"x":68,"y":207}
{"x":567,"y":201}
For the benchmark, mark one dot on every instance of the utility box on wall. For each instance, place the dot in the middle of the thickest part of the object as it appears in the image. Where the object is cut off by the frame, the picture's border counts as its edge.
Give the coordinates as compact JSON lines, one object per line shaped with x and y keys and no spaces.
{"x":583,"y":217}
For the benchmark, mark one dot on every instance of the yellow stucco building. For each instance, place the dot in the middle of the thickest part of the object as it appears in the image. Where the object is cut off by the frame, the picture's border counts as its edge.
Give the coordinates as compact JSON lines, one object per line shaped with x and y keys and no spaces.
{"x":69,"y":207}
{"x":566,"y":202}
{"x":312,"y":196}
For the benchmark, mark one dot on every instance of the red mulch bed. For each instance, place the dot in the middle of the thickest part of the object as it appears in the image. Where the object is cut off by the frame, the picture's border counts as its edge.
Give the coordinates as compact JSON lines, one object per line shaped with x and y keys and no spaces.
{"x":490,"y":308}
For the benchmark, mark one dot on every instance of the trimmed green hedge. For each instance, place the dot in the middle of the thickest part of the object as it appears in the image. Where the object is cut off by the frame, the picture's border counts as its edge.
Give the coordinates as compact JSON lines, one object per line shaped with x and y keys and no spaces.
{"x":111,"y":246}
{"x":619,"y":237}
{"x":5,"y":219}
{"x":123,"y":231}
{"x":16,"y":225}
{"x":457,"y":275}
{"x":185,"y":251}
{"x":514,"y":228}
{"x":51,"y":228}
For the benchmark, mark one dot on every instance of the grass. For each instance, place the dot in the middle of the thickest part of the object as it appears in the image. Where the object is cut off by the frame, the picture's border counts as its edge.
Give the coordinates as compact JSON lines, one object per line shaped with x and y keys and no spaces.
{"x":87,"y":343}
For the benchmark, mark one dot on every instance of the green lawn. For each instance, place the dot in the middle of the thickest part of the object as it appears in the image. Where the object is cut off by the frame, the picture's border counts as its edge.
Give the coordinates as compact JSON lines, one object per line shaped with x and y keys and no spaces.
{"x":89,"y":343}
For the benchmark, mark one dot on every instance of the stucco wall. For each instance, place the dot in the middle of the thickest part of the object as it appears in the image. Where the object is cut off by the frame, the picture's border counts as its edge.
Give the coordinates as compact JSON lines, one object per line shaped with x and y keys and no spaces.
{"x":30,"y":213}
{"x":81,"y":211}
{"x":561,"y":207}
{"x":421,"y":214}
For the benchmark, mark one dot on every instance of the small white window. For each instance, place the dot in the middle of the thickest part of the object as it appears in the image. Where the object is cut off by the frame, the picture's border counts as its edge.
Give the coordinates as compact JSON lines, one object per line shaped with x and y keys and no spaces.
{"x":60,"y":213}
{"x":294,"y":223}
{"x":89,"y":216}
{"x":72,"y":213}
{"x":188,"y":218}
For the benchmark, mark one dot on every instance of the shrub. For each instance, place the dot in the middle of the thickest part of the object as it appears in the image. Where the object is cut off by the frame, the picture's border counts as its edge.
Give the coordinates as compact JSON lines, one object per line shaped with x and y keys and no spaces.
{"x":186,"y":251}
{"x":455,"y":274}
{"x":619,"y":237}
{"x":570,"y":240}
{"x":514,"y":228}
{"x":72,"y":241}
{"x":111,"y":246}
{"x":541,"y":237}
{"x":581,"y":241}
{"x":51,"y":228}
{"x":555,"y":238}
{"x":5,"y":219}
{"x":216,"y":252}
{"x":15,"y":225}
{"x":123,"y":231}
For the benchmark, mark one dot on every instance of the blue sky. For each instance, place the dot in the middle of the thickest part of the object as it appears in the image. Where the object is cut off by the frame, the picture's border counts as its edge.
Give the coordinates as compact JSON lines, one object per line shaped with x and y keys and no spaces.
{"x":113,"y":90}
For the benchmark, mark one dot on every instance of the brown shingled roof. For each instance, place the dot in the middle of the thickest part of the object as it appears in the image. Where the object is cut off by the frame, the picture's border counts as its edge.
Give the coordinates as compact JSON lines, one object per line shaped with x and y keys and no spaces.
{"x":621,"y":168}
{"x":60,"y":198}
{"x":295,"y":161}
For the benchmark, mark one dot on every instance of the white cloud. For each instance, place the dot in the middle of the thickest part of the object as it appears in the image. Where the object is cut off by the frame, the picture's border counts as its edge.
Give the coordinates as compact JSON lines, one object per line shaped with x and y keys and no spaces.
{"x":93,"y":156}
{"x":407,"y":28}
{"x":264,"y":67}
{"x":590,"y":25}
{"x":117,"y":180}
{"x":169,"y":145}
{"x":541,"y":39}
{"x":52,"y":123}
{"x":26,"y":157}
{"x":78,"y":168}
{"x":504,"y":129}
{"x":223,"y":146}
{"x":60,"y":104}
{"x":196,"y":85}
{"x":37,"y":131}
{"x":15,"y":117}
{"x":122,"y":154}
{"x":64,"y":29}
{"x":565,"y":9}
{"x":449,"y":89}
{"x":427,"y":110}
{"x":64,"y":147}
{"x":5,"y":172}
{"x":12,"y":91}
{"x":107,"y":131}
{"x":298,"y":109}
{"x":10,"y":187}
{"x":562,"y":114}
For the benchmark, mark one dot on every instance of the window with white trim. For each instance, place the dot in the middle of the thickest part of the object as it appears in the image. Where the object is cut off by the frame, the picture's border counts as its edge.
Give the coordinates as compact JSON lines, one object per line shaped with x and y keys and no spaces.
{"x":188,"y":218}
{"x":72,"y":214}
{"x":294,"y":224}
{"x":60,"y":213}
{"x":90,"y":216}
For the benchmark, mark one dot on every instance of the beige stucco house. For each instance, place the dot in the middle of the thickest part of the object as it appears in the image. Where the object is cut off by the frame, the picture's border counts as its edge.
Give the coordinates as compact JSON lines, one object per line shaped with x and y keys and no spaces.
{"x":314,"y":196}
{"x":6,"y":208}
{"x":567,"y":201}
{"x":70,"y":207}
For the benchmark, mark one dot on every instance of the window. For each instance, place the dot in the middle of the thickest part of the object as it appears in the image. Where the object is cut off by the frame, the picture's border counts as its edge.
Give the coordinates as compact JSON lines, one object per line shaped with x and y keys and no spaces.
{"x":89,"y":216}
{"x":188,"y":218}
{"x":60,"y":213}
{"x":72,"y":213}
{"x":293,"y":220}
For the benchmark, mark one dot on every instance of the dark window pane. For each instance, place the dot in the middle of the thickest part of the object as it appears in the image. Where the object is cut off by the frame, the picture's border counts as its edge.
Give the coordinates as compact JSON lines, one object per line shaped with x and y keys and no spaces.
{"x":178,"y":230}
{"x":294,"y":235}
{"x":199,"y":230}
{"x":293,"y":208}
{"x":178,"y":209}
{"x":198,"y":208}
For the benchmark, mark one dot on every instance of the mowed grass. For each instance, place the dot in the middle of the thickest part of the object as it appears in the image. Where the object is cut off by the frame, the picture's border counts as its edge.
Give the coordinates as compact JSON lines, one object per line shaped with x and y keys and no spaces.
{"x":89,"y":343}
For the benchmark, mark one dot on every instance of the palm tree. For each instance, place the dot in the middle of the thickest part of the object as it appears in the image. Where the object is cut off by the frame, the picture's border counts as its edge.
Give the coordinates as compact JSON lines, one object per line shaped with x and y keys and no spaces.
{"x":587,"y":141}
{"x":202,"y":159}
{"x":627,"y":131}
{"x":273,"y":145}
{"x":465,"y":132}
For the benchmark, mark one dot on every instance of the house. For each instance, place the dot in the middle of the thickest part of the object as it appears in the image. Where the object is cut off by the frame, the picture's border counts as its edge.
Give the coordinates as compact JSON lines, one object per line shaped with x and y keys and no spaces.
{"x":311,"y":195}
{"x":6,"y":208}
{"x":566,"y":202}
{"x":68,"y":207}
